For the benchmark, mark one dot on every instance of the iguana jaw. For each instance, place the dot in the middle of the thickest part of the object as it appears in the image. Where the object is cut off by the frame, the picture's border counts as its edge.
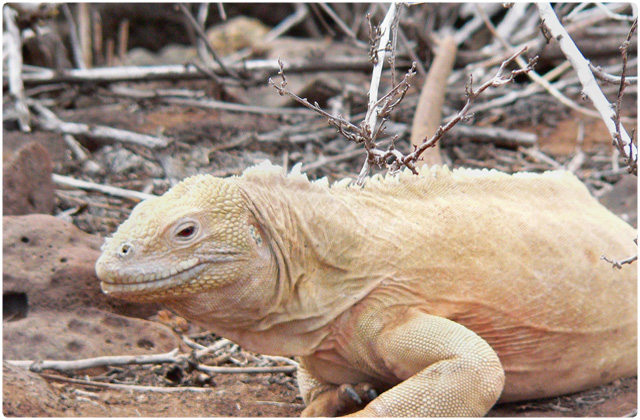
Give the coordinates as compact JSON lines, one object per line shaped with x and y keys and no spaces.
{"x":137,"y":286}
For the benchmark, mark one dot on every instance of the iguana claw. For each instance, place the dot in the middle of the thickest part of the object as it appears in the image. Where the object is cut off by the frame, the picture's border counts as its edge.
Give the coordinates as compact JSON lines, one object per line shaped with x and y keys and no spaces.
{"x":341,"y":400}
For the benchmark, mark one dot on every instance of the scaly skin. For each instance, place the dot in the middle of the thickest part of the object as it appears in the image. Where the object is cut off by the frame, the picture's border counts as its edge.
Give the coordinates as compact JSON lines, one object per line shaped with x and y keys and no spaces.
{"x":433,"y":290}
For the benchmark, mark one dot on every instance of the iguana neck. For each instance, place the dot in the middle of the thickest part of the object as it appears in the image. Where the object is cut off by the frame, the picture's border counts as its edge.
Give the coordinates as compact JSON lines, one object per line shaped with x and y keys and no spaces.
{"x":316,"y":278}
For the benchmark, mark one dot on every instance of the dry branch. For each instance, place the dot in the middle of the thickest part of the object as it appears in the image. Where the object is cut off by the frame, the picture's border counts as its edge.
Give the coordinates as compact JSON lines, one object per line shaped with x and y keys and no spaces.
{"x":13,"y":50}
{"x":249,"y":369}
{"x":142,"y":388}
{"x":368,"y":131}
{"x":589,"y":84}
{"x":105,"y":189}
{"x":497,"y":135}
{"x":71,"y":365}
{"x":203,"y":37}
{"x":47,"y":120}
{"x":495,"y":81}
{"x":189,"y":72}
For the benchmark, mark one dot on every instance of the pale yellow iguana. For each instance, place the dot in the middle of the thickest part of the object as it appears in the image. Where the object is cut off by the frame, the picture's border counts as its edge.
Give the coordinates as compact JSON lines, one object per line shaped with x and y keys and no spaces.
{"x":445,"y":292}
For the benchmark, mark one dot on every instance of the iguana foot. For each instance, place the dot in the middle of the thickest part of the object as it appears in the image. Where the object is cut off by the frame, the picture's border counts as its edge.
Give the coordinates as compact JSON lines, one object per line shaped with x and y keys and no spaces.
{"x":340,"y":400}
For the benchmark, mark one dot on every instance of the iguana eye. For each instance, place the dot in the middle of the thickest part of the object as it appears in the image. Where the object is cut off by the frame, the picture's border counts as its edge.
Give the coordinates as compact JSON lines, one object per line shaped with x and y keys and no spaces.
{"x":186,"y":231}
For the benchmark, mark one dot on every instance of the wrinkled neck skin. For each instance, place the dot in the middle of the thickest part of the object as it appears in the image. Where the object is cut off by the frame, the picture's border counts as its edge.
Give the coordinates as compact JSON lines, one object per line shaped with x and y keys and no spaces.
{"x":313,"y":279}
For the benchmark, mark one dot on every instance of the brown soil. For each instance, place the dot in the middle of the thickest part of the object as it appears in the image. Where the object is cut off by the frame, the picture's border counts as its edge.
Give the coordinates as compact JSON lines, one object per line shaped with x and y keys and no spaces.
{"x":268,"y":395}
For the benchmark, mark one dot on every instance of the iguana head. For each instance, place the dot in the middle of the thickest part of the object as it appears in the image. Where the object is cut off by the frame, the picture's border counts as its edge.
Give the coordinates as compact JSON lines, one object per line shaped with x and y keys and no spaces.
{"x":198,"y":240}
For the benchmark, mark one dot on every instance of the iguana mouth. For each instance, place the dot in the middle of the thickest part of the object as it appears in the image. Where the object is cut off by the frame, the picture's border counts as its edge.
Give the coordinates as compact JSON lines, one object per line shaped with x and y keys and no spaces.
{"x":186,"y":272}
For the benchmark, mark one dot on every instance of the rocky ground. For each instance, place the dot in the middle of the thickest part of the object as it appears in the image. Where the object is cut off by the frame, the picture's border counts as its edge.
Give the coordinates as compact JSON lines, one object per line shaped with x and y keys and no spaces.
{"x":53,"y":309}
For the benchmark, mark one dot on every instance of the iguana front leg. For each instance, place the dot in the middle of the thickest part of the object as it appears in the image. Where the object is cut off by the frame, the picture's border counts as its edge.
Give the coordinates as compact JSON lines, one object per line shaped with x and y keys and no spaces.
{"x":442,"y":368}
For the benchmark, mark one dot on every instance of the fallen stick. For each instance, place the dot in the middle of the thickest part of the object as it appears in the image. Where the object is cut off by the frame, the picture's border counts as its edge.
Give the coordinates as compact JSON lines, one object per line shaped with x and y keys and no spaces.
{"x":143,"y":388}
{"x":249,"y":369}
{"x":105,"y":189}
{"x":233,"y":107}
{"x":497,"y":135}
{"x":190,"y":72}
{"x":71,"y":365}
{"x":49,"y":121}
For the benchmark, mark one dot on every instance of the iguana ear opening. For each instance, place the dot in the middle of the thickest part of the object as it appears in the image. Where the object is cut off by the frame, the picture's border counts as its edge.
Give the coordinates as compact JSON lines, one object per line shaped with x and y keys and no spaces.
{"x":256,"y":234}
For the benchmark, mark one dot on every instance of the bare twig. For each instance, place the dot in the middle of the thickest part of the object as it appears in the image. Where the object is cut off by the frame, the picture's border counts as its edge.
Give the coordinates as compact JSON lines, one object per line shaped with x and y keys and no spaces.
{"x":229,"y":106}
{"x":535,"y":76}
{"x":84,"y":33}
{"x":223,"y":14}
{"x":385,"y":32}
{"x":343,"y":26}
{"x":590,"y":86}
{"x":631,"y":161}
{"x":496,"y":81}
{"x":368,"y":131}
{"x":614,"y":16}
{"x":497,"y":135}
{"x":610,"y":78}
{"x":227,"y":70}
{"x":78,"y":56}
{"x":302,"y":11}
{"x":123,"y":39}
{"x":619,"y":263}
{"x":203,"y":12}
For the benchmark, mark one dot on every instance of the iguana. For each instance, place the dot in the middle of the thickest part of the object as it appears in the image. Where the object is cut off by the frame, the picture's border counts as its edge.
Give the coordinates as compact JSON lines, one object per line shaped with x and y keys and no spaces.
{"x":444,"y":292}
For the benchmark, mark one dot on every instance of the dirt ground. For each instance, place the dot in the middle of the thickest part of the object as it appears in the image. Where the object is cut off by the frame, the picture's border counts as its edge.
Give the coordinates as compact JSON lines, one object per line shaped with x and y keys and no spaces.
{"x":269,"y":395}
{"x":223,"y":142}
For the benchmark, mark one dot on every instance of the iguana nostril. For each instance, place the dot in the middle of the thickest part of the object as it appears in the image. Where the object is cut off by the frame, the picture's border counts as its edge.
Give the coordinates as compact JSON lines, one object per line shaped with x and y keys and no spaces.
{"x":126,"y":249}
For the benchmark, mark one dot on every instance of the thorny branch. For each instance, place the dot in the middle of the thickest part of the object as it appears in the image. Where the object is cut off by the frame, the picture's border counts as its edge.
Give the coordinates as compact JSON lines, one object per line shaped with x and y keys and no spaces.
{"x":363,"y":134}
{"x":496,"y":81}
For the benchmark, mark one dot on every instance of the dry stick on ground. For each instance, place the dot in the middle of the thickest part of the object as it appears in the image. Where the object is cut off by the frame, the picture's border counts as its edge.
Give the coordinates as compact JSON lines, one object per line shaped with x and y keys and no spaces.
{"x":170,"y":357}
{"x":188,"y":72}
{"x":70,"y":365}
{"x":143,"y":388}
{"x":203,"y":12}
{"x":105,"y":189}
{"x":343,"y":26}
{"x":590,"y":86}
{"x":49,"y":121}
{"x":610,"y":78}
